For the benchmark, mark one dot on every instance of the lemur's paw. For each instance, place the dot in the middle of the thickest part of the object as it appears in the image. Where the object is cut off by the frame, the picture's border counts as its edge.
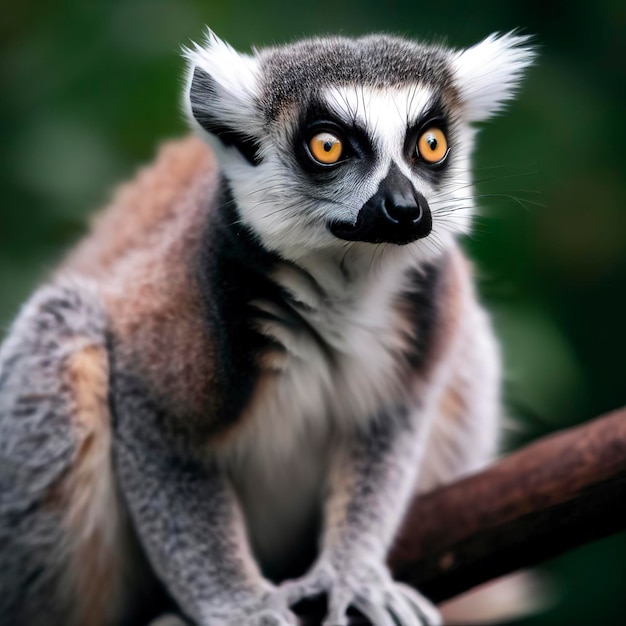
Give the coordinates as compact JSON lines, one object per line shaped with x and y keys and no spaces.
{"x":367,"y":588}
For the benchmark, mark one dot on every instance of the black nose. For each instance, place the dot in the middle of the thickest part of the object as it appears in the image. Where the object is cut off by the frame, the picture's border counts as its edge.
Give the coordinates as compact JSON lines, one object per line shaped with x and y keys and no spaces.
{"x":401,"y":210}
{"x":396,"y":213}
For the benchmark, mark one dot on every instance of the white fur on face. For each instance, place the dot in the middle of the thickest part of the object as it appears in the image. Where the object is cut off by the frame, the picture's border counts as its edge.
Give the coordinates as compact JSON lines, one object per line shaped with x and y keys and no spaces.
{"x":290,"y":215}
{"x":387,"y":115}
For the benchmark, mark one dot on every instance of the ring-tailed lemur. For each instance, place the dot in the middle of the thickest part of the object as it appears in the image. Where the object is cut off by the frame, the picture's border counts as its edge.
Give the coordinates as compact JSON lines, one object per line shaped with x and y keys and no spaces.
{"x":237,"y":382}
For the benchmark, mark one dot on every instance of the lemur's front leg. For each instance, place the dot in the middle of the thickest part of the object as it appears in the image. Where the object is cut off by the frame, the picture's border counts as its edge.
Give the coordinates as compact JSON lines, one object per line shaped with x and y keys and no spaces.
{"x":371,"y":481}
{"x":189,"y":521}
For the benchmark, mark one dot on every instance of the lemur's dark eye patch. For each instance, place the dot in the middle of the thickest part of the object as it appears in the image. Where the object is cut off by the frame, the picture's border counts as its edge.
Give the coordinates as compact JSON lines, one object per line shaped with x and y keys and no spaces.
{"x":428,"y":140}
{"x":324,"y":144}
{"x":324,"y":141}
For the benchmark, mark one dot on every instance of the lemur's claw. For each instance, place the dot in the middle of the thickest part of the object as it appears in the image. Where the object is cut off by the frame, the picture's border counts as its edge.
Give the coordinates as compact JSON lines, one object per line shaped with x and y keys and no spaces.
{"x":370,"y":590}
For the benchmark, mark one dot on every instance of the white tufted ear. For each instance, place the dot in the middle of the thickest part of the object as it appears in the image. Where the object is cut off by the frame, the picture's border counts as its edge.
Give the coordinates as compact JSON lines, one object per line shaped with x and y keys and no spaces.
{"x":489,"y":73}
{"x":220,"y":93}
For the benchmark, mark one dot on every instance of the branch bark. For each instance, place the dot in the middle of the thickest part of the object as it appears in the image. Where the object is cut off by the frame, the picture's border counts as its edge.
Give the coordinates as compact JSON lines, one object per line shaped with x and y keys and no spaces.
{"x":557,"y":493}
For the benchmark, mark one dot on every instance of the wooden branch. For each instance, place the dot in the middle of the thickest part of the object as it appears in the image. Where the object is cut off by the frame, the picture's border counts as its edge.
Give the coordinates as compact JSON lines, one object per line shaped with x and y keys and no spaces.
{"x":553,"y":495}
{"x":558,"y":493}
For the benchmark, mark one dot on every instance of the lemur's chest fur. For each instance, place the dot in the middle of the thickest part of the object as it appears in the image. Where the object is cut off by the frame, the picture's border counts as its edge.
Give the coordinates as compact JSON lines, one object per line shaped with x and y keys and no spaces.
{"x":340,"y":364}
{"x":340,"y":361}
{"x":307,"y":357}
{"x":298,"y":343}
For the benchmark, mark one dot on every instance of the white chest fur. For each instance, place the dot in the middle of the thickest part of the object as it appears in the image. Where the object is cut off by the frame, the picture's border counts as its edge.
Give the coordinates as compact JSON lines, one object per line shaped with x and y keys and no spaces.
{"x":339,"y":369}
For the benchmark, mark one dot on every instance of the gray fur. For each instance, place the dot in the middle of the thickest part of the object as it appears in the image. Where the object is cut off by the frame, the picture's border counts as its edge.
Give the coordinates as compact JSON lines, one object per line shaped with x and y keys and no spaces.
{"x":371,"y":477}
{"x":188,"y":515}
{"x":292,"y":73}
{"x":37,"y":447}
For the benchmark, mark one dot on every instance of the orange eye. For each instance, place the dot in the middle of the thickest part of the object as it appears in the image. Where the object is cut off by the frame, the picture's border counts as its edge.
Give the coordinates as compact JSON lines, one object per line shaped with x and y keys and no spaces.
{"x":432,"y":145}
{"x":326,"y":148}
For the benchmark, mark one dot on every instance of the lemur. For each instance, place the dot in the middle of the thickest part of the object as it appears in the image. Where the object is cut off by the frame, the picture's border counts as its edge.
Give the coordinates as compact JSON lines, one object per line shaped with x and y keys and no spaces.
{"x":228,"y":393}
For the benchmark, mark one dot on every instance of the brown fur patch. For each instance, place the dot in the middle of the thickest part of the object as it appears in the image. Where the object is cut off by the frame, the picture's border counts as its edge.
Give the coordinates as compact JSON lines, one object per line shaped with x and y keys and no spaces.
{"x":452,"y":405}
{"x":141,"y":208}
{"x":144,"y":253}
{"x":92,"y":515}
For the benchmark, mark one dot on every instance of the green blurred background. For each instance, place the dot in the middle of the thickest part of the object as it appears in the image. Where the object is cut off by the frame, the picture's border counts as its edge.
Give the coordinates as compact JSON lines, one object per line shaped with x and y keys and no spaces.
{"x":89,"y":89}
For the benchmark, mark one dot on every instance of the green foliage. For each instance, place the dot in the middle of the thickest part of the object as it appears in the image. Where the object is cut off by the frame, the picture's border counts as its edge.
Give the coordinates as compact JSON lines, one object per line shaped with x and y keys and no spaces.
{"x":90,"y":88}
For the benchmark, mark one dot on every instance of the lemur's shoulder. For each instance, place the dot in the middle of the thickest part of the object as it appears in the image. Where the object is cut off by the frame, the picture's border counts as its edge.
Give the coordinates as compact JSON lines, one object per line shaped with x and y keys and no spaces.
{"x":175,"y":183}
{"x":142,"y":253}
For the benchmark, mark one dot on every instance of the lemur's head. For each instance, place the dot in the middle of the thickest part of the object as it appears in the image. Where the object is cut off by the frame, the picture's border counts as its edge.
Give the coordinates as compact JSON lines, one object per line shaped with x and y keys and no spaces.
{"x":362,"y":140}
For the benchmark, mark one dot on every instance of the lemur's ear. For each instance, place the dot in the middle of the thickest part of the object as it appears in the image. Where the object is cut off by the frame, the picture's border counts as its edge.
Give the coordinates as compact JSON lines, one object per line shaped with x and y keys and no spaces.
{"x":220,"y":94}
{"x":489,"y":73}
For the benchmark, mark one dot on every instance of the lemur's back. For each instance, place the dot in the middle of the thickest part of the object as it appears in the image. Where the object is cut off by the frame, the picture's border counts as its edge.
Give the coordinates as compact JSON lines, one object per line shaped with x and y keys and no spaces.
{"x":143,"y":255}
{"x":163,"y":204}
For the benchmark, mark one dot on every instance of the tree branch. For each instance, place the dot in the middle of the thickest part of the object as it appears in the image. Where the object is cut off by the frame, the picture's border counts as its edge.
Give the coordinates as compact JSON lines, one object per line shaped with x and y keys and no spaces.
{"x":558,"y":493}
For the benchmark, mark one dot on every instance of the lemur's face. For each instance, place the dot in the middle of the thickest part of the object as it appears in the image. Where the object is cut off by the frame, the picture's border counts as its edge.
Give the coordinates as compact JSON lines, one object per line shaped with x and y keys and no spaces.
{"x":329,"y":141}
